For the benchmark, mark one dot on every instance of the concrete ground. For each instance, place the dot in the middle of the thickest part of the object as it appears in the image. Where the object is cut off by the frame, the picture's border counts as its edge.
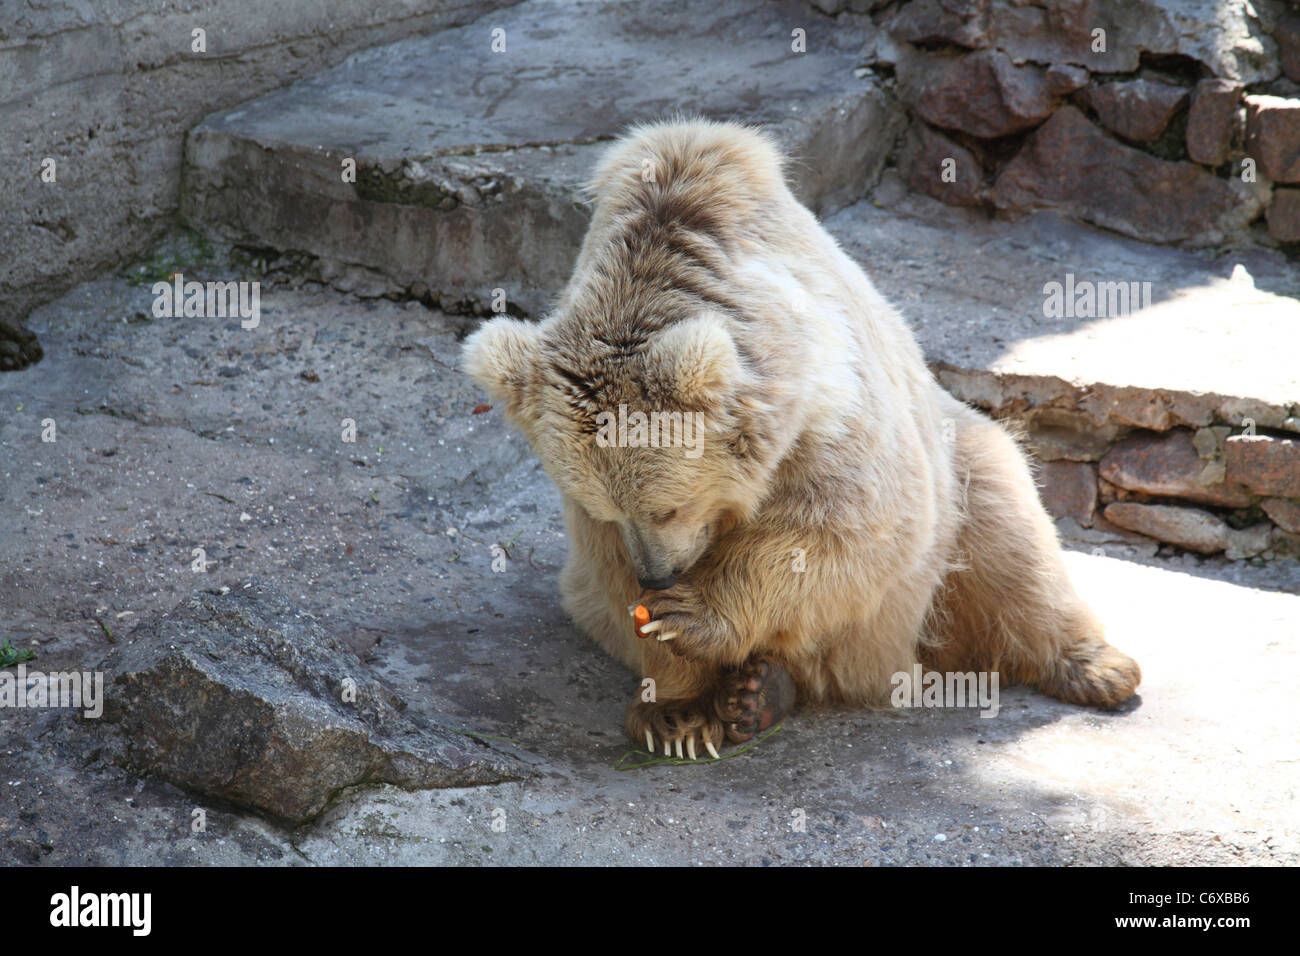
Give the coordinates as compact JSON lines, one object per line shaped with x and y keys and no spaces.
{"x":174,"y":434}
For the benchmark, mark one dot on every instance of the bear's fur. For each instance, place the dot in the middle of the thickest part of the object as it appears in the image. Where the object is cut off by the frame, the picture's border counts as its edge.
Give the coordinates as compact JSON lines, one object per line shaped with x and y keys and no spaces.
{"x":844,"y":517}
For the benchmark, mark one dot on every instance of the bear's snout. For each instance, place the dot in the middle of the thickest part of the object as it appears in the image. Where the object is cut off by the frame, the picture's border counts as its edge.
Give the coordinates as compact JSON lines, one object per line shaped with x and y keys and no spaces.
{"x":657,"y":584}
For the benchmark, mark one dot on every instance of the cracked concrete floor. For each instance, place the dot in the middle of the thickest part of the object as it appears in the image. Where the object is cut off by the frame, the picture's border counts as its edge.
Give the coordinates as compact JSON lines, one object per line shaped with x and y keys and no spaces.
{"x":175,"y":434}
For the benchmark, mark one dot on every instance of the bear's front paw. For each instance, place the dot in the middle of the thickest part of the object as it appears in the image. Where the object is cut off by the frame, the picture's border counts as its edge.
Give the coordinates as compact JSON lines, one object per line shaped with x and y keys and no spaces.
{"x":683,"y":728}
{"x":684,"y":623}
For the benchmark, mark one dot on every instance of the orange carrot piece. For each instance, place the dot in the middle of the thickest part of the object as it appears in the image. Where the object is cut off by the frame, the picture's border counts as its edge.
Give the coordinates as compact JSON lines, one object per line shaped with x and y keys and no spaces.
{"x":640,"y":618}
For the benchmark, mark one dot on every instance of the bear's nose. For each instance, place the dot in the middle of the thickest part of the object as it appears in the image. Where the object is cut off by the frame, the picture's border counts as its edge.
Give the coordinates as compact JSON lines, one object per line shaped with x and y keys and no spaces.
{"x":657,"y":584}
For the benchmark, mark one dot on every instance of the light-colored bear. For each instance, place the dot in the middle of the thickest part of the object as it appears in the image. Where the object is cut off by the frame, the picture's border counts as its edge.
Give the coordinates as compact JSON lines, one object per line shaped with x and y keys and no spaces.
{"x":836,"y":518}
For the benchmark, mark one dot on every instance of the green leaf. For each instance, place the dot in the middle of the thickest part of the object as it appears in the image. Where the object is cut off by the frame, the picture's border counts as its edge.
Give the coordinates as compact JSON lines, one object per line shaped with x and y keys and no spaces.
{"x":10,"y":655}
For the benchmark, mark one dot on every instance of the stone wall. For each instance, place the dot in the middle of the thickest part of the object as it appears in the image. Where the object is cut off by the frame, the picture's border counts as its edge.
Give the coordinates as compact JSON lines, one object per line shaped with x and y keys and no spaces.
{"x":1171,"y":121}
{"x":1203,"y":472}
{"x":107,"y":90}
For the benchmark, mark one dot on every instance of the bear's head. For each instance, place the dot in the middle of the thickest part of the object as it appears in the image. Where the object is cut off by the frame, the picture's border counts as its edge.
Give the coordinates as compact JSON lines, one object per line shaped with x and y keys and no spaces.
{"x":656,"y":428}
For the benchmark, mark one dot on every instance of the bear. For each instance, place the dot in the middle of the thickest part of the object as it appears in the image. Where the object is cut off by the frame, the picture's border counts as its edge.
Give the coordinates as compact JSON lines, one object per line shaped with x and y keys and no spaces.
{"x":815,"y":513}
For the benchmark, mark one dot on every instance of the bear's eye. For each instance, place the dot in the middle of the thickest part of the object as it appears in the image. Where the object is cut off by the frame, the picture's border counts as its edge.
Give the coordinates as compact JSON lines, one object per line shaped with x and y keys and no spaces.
{"x":664,"y":517}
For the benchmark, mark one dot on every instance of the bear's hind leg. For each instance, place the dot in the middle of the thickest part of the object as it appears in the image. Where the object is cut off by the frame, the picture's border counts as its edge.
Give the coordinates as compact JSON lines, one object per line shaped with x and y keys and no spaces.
{"x":1008,"y":605}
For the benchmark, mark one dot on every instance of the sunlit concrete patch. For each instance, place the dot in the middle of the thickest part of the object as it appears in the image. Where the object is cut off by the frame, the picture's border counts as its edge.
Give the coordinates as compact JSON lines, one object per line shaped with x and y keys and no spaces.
{"x":1221,"y":335}
{"x":1212,"y":745}
{"x":1211,"y":328}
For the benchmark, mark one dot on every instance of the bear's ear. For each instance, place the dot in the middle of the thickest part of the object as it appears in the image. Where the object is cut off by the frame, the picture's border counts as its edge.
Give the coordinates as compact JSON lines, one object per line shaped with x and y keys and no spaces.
{"x":696,"y":361}
{"x":502,"y":356}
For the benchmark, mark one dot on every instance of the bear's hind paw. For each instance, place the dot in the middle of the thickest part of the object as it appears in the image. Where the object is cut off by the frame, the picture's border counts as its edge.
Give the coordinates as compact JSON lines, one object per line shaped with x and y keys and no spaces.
{"x":753,"y":697}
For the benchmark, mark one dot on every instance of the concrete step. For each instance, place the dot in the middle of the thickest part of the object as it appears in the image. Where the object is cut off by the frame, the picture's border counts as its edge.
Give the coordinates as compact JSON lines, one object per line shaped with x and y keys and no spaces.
{"x":1212,"y":334}
{"x":470,"y":162}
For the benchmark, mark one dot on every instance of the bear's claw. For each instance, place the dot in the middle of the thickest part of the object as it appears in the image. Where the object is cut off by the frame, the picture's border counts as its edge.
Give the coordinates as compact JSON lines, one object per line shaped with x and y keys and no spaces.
{"x":746,"y":701}
{"x":679,"y":726}
{"x":647,"y":629}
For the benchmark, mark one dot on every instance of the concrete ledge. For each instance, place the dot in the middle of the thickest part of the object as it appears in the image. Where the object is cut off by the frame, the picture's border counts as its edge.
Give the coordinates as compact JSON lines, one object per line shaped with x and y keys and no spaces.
{"x":470,"y":162}
{"x":108,"y":90}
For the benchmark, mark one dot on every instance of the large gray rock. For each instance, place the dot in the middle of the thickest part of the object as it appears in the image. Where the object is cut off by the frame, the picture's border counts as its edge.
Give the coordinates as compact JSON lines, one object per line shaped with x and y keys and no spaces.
{"x":1213,"y":124}
{"x":981,"y":93}
{"x":1070,"y":165}
{"x":1138,"y":110}
{"x":243,"y":697}
{"x":1273,"y":136}
{"x":1229,"y":38}
{"x":1188,"y":528}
